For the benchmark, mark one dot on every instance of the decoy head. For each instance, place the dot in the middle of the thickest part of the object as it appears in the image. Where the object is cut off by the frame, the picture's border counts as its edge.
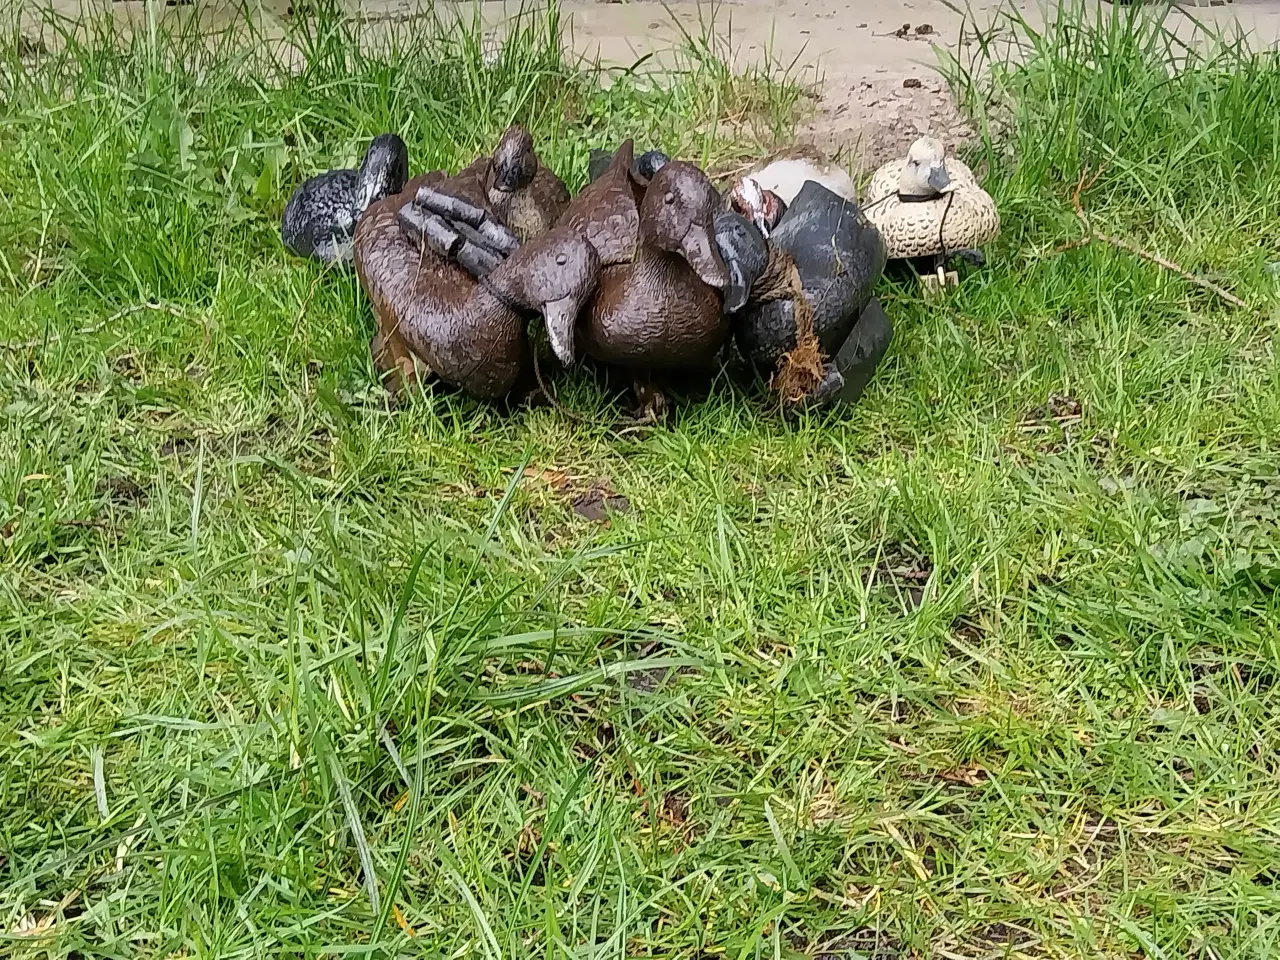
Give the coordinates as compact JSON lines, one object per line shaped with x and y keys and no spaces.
{"x":384,"y":169}
{"x":925,"y":172}
{"x":556,"y":275}
{"x":762,"y":207}
{"x":649,"y":163}
{"x":743,"y":248}
{"x":678,"y":215}
{"x":514,"y":161}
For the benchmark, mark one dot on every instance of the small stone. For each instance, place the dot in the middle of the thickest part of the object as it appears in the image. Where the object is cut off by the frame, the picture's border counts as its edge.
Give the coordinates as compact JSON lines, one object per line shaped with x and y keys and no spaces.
{"x":911,"y":83}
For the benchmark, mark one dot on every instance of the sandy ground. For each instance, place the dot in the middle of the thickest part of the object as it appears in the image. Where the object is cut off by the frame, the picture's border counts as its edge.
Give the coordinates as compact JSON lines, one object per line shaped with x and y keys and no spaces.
{"x":870,"y":63}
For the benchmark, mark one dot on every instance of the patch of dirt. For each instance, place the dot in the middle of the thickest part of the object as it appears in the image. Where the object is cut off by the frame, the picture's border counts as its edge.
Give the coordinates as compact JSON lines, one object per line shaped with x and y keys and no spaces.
{"x":595,"y":500}
{"x":969,"y":629}
{"x":865,"y":943}
{"x":1055,"y":425}
{"x":866,"y":123}
{"x":904,"y":571}
{"x":176,"y":446}
{"x":122,"y":490}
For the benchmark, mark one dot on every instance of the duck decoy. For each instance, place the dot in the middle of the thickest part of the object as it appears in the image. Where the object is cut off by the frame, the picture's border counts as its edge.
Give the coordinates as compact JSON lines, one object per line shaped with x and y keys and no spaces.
{"x":786,"y":176}
{"x":838,"y":256}
{"x":762,"y":207}
{"x":929,"y":208}
{"x":643,"y":167}
{"x":321,"y":216}
{"x":419,"y":269}
{"x":527,"y":196}
{"x":659,"y":304}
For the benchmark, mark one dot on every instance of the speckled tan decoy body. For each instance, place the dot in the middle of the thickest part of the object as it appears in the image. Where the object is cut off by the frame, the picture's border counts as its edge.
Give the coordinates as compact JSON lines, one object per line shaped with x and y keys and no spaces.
{"x":918,"y":229}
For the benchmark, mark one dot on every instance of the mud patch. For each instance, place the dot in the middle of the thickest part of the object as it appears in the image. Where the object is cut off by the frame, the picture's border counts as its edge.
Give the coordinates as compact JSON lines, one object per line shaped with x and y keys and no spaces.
{"x":122,"y":491}
{"x":866,"y":123}
{"x":904,"y":572}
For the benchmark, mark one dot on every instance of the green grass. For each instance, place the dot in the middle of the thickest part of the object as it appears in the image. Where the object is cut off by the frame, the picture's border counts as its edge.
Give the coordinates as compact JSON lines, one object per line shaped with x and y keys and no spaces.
{"x":985,"y":667}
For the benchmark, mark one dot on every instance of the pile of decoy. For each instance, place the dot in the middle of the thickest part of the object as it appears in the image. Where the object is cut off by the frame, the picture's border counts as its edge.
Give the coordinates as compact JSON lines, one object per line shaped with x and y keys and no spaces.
{"x":648,"y":270}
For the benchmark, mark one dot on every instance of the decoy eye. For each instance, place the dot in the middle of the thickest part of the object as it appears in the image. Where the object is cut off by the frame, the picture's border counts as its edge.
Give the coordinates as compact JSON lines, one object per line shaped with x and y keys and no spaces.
{"x":669,"y":199}
{"x":561,"y":259}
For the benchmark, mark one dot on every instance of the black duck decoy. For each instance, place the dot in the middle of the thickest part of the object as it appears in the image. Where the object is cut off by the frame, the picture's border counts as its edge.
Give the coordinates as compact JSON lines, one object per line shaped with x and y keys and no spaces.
{"x":643,"y":167}
{"x":839,"y":256}
{"x":320,"y":218}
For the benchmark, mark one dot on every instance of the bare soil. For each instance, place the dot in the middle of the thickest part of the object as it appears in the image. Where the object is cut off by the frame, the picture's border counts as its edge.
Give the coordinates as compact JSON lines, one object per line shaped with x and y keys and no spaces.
{"x":871,"y":64}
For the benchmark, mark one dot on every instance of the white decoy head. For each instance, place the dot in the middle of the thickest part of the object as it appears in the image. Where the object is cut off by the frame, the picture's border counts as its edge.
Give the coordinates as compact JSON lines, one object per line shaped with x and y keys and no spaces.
{"x":925,"y":172}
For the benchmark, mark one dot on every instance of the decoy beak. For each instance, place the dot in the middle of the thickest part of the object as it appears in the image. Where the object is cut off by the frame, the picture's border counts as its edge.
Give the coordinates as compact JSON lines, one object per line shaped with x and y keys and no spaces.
{"x":737,"y":290}
{"x":699,"y":249}
{"x":562,"y":318}
{"x":939,"y":179}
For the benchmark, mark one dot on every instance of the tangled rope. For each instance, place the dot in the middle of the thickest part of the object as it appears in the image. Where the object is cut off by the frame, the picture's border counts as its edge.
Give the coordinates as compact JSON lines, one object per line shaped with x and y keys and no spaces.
{"x":800,"y":369}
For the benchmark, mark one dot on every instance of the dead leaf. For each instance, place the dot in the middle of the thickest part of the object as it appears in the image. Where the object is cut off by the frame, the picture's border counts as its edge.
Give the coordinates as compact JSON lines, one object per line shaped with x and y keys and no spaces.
{"x":555,"y":479}
{"x":969,"y":776}
{"x":599,"y":502}
{"x":528,"y":839}
{"x":31,"y":928}
{"x":401,"y":922}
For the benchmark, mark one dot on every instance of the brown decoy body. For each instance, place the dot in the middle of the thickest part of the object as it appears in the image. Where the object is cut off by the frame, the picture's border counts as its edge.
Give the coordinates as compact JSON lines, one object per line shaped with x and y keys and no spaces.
{"x":432,"y":264}
{"x":659,"y":304}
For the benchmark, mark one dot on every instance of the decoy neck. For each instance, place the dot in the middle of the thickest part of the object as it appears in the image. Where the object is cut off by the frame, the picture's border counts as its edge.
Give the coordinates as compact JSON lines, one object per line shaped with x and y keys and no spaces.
{"x":677,"y":215}
{"x":384,"y":169}
{"x":746,"y":254}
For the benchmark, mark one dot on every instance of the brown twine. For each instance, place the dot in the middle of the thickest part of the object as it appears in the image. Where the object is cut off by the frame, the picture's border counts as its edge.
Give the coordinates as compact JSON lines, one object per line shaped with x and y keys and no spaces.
{"x":800,"y":369}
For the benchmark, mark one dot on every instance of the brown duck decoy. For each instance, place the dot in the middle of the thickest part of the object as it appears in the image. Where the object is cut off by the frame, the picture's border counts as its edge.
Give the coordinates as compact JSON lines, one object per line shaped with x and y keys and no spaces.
{"x":525,"y":195}
{"x":512,"y":184}
{"x":418,"y":255}
{"x":659,"y":304}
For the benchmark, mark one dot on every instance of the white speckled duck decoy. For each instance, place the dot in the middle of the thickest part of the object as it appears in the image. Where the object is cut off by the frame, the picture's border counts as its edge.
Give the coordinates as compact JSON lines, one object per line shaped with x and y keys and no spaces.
{"x":786,"y":176}
{"x":930,"y":206}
